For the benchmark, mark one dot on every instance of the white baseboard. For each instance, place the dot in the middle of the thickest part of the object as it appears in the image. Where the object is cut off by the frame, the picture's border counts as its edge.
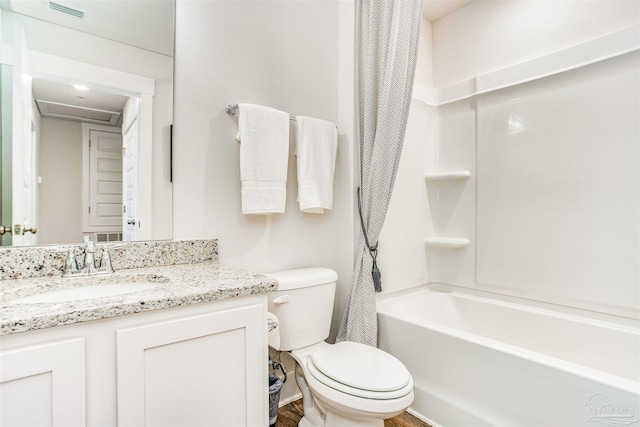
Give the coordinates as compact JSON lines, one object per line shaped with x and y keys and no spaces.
{"x":288,"y":399}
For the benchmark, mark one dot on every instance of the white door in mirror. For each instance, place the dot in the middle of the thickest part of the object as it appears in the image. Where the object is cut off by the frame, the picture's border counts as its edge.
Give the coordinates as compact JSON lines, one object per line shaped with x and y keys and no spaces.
{"x":130,"y":180}
{"x":105,"y":179}
{"x":23,"y":162}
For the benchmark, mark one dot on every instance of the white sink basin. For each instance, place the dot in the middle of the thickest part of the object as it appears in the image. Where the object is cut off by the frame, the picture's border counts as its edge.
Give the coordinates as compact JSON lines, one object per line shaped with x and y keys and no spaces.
{"x":87,"y":292}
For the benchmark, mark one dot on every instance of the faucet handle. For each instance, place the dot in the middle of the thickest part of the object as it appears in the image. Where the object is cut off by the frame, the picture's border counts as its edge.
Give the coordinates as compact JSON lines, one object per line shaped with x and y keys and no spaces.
{"x":71,"y":265}
{"x":91,"y":245}
{"x":105,"y":261}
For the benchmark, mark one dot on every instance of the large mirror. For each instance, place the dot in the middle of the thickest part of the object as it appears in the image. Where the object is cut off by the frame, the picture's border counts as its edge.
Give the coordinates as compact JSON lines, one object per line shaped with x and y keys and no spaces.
{"x":87,"y":108}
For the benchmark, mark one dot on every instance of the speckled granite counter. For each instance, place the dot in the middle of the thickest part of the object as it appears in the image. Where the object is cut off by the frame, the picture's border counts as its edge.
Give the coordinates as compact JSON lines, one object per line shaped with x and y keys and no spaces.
{"x":184,"y":285}
{"x":21,"y":262}
{"x":180,"y":272}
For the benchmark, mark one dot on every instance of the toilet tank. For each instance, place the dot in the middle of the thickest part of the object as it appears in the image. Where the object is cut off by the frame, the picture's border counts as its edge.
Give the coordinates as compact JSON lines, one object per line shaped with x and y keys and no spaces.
{"x":303,"y":304}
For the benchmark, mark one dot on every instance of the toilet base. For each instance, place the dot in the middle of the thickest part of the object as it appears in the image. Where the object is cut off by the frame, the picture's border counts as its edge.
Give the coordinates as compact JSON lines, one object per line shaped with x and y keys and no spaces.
{"x":314,"y":416}
{"x":334,"y":420}
{"x":305,"y":423}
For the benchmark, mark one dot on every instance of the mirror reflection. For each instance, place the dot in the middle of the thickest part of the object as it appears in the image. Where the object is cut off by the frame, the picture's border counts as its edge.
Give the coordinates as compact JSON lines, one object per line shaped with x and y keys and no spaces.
{"x":86,"y":121}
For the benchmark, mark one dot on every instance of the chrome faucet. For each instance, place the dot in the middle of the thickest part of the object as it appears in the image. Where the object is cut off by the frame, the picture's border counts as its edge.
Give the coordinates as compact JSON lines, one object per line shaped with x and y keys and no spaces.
{"x":89,"y":256}
{"x":89,"y":267}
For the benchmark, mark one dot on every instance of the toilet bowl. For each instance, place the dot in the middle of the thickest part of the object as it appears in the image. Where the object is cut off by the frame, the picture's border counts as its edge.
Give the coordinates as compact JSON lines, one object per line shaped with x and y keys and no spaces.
{"x":346,"y":384}
{"x":356,"y":382}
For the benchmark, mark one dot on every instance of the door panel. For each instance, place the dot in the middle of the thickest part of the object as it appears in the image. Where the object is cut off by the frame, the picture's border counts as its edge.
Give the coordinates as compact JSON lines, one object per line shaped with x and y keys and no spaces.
{"x":23,"y":145}
{"x":130,"y":221}
{"x":105,"y":176}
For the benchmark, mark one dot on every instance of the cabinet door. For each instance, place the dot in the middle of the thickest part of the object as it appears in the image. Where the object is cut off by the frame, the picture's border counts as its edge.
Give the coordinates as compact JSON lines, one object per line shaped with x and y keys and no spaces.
{"x":43,"y":385}
{"x":205,"y":370}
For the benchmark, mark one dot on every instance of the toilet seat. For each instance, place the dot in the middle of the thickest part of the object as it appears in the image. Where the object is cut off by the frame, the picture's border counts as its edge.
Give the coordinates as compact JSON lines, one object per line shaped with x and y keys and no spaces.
{"x":360,"y":370}
{"x":379,"y":406}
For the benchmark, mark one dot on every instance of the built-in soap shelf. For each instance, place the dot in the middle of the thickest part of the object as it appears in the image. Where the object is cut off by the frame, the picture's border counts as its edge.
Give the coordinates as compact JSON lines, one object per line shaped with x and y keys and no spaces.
{"x":446,"y":178}
{"x":446,"y":242}
{"x":443,"y":179}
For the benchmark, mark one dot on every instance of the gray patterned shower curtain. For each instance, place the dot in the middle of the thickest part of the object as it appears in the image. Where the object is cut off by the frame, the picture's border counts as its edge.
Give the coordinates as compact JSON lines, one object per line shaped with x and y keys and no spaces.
{"x":387,"y":33}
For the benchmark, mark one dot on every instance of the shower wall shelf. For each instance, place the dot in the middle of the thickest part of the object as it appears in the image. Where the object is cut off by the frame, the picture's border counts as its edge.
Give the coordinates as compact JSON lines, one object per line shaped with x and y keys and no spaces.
{"x":446,"y":178}
{"x":439,"y":180}
{"x":446,"y":242}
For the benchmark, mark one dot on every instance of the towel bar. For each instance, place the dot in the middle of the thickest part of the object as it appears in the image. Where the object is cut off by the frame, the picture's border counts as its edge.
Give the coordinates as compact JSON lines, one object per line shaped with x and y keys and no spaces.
{"x":232,"y":109}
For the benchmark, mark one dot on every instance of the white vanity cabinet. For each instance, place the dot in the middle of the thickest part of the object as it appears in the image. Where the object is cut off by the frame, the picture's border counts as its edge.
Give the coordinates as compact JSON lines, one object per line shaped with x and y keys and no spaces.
{"x":43,"y":385}
{"x":201,"y":364}
{"x":200,"y":370}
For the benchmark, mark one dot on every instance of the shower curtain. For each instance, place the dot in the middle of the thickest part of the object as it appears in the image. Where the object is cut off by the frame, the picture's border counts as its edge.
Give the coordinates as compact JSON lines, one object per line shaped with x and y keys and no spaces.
{"x":387,"y":33}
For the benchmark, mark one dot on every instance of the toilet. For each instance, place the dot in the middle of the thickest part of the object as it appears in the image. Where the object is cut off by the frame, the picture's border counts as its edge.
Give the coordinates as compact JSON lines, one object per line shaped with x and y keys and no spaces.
{"x":344,"y":384}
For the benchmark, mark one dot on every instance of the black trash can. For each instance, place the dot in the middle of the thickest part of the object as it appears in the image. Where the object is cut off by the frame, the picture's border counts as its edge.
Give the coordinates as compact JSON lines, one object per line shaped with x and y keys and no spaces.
{"x":275,"y":387}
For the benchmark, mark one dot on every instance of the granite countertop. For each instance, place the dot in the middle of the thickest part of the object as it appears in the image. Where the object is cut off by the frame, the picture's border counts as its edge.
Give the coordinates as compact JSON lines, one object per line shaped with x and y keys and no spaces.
{"x":175,"y":285}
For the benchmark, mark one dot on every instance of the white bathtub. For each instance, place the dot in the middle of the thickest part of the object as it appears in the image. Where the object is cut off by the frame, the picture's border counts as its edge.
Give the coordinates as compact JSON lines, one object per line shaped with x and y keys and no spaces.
{"x":479,"y":361}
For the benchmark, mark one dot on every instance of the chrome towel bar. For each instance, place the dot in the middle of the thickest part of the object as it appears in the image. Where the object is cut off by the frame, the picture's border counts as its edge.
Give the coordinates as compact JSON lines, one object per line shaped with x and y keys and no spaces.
{"x":232,"y":110}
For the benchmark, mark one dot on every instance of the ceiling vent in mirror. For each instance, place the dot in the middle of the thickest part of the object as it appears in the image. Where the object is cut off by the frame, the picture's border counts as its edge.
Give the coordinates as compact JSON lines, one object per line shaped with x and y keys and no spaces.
{"x":73,"y":112}
{"x":59,"y":7}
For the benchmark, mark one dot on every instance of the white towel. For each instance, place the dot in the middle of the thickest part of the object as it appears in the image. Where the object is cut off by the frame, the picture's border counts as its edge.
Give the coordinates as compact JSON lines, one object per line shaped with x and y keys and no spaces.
{"x":316,"y":146}
{"x":264,"y":154}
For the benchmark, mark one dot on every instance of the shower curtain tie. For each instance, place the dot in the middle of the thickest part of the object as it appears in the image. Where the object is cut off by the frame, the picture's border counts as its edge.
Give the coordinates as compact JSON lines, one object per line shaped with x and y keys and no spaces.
{"x":373,"y":250}
{"x":375,"y":272}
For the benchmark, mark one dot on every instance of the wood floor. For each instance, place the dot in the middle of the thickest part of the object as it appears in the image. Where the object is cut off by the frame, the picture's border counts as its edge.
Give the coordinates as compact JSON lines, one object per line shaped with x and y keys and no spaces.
{"x":289,"y":415}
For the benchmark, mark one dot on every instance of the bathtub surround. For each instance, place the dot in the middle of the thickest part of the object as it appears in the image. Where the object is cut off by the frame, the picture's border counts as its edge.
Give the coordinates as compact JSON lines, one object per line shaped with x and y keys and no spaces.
{"x":457,"y":136}
{"x":387,"y":36}
{"x":541,"y":116}
{"x":532,"y":196}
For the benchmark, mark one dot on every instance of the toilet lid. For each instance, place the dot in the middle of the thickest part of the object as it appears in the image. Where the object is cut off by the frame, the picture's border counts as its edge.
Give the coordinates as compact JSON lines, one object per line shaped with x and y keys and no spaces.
{"x":361,"y":366}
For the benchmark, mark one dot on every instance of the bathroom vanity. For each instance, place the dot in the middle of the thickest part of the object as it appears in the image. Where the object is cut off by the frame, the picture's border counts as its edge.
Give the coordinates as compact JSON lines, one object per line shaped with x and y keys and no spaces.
{"x":178,"y":345}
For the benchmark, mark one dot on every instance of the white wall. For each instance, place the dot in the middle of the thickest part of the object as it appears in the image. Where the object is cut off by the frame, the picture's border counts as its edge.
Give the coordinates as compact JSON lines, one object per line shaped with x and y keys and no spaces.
{"x":488,"y":35}
{"x":60,"y":194}
{"x":35,"y":127}
{"x":424,"y":65}
{"x":293,"y":56}
{"x":553,"y":249}
{"x":288,"y":55}
{"x":67,"y":43}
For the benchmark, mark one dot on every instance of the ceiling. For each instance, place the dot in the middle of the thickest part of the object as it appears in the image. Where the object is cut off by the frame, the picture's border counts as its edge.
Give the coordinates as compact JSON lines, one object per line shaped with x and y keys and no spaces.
{"x":436,"y":9}
{"x":61,"y":101}
{"x":147,"y":24}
